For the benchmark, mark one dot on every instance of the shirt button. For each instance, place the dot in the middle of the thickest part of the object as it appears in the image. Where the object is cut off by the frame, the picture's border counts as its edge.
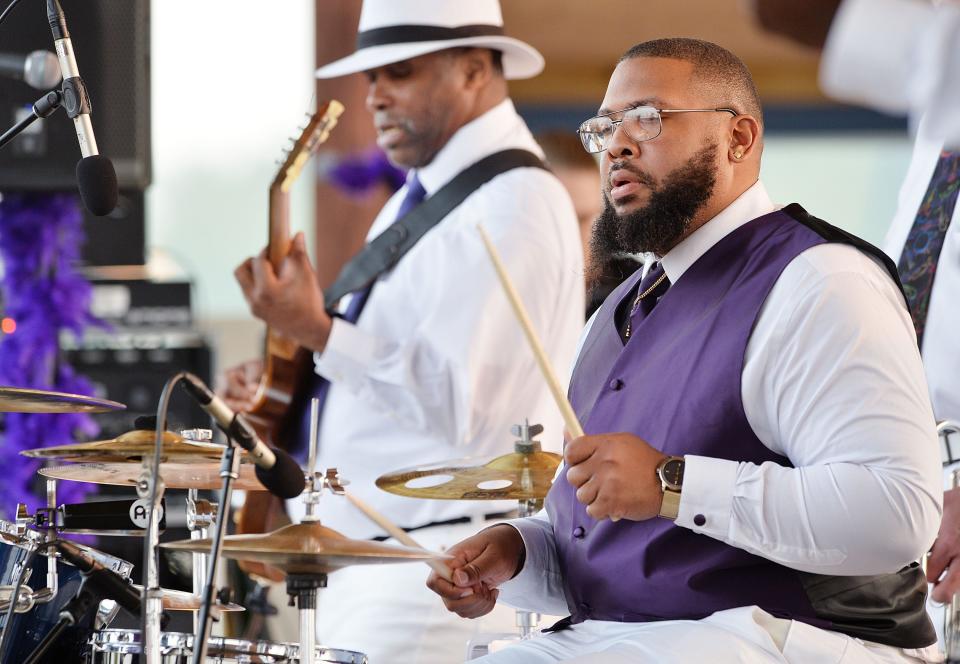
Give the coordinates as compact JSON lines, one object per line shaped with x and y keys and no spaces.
{"x":579,"y":532}
{"x":699,"y":520}
{"x":616,"y":384}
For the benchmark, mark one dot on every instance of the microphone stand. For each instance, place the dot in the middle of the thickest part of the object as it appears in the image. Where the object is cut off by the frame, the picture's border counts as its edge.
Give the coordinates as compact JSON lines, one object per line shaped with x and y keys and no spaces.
{"x":42,"y":108}
{"x":229,"y":471}
{"x":150,"y":486}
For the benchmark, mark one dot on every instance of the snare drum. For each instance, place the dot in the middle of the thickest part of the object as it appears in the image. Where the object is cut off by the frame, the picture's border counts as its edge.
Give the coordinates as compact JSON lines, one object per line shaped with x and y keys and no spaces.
{"x":122,"y":646}
{"x":28,"y":629}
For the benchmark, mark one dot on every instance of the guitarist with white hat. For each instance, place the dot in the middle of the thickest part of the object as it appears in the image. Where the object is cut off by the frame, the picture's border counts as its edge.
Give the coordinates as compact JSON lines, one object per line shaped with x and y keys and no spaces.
{"x":422,"y":359}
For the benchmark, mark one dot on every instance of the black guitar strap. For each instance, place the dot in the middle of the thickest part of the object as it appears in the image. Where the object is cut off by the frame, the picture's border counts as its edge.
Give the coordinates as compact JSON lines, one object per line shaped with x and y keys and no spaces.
{"x":386,"y":250}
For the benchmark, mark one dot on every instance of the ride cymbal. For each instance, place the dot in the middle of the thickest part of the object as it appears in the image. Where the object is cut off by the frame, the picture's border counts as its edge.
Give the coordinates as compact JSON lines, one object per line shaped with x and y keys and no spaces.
{"x":514,"y":476}
{"x":131,"y":447}
{"x":23,"y":400}
{"x":307,"y":548}
{"x":176,"y":475}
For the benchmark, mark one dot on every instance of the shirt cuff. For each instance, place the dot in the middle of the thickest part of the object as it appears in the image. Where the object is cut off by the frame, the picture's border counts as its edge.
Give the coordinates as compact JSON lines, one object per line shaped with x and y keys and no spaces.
{"x":538,"y":586}
{"x":706,"y":500}
{"x":872,"y":52}
{"x":349,"y":353}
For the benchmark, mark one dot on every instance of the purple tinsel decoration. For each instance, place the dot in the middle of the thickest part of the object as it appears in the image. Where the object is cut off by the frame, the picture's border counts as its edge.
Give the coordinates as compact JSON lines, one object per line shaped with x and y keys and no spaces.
{"x":40,"y":240}
{"x":357,"y":174}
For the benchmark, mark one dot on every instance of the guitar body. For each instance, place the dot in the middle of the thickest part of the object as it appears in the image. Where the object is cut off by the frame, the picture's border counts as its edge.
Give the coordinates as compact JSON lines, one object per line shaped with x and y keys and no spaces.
{"x":285,"y":362}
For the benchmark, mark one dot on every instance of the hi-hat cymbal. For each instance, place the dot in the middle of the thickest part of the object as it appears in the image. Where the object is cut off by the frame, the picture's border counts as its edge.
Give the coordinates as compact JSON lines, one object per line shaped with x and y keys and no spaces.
{"x":176,"y":475}
{"x":514,"y":476}
{"x":23,"y":400}
{"x":307,"y":548}
{"x":179,"y":600}
{"x":131,"y":446}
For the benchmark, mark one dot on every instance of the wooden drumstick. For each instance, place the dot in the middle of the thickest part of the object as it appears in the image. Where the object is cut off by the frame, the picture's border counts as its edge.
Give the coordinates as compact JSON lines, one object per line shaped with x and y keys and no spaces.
{"x":397,"y":533}
{"x":569,"y":417}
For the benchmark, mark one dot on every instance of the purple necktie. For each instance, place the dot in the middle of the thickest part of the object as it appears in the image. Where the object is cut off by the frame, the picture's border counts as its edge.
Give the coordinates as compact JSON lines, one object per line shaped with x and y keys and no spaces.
{"x":918,"y":262}
{"x":320,"y":386}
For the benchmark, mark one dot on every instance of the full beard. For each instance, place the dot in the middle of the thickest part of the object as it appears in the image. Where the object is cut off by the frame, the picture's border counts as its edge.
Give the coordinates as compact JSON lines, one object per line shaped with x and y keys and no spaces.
{"x":657,"y":227}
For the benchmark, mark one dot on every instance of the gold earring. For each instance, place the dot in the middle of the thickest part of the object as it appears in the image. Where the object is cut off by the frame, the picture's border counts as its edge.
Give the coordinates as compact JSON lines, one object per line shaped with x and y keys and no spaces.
{"x":738,"y":154}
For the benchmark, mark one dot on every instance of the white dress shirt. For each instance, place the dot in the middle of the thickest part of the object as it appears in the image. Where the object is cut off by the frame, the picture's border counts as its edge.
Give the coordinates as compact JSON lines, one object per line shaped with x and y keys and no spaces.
{"x":831,"y":380}
{"x":899,"y":56}
{"x":437,"y":367}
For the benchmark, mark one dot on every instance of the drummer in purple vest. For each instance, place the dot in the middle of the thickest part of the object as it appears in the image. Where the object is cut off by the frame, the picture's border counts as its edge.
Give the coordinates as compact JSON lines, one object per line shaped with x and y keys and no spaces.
{"x":760,"y":472}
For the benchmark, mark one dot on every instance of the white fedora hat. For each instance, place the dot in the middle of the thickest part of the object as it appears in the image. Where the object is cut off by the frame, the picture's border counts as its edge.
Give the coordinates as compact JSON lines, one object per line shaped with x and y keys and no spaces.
{"x":395,"y":30}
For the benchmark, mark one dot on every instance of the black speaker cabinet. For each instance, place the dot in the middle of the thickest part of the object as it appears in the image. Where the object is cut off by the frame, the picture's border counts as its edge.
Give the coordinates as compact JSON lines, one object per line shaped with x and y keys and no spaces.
{"x":131,"y":366}
{"x":111,"y":39}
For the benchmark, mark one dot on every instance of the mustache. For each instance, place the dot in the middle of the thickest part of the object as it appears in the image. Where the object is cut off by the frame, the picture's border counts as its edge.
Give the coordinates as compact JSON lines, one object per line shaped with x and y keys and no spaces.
{"x":641,"y":176}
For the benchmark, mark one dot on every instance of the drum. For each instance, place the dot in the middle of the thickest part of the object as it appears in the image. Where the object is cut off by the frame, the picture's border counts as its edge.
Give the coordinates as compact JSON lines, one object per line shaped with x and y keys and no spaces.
{"x":28,"y":629}
{"x":122,"y":646}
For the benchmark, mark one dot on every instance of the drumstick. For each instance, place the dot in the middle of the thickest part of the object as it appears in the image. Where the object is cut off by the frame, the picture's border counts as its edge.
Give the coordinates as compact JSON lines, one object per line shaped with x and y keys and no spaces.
{"x":569,"y":417}
{"x":397,"y":533}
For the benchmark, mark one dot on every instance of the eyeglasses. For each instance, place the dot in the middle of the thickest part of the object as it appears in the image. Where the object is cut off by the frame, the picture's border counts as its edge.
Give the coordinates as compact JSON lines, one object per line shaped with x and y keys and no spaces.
{"x":642,"y":123}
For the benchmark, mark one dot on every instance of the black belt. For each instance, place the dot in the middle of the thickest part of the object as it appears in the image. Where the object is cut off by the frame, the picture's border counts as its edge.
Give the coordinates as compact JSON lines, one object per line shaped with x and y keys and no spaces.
{"x":450,"y":522}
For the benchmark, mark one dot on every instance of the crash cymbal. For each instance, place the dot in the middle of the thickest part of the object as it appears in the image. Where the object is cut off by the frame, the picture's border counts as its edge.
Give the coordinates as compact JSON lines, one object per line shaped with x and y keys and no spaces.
{"x":515,"y":476}
{"x":179,"y":600}
{"x":23,"y":400}
{"x":131,"y":446}
{"x":176,"y":475}
{"x":307,"y":548}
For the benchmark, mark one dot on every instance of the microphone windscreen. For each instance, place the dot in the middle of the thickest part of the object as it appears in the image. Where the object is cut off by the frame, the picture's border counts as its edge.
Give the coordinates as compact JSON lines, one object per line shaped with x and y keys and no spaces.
{"x":285,"y":480}
{"x":97,"y":182}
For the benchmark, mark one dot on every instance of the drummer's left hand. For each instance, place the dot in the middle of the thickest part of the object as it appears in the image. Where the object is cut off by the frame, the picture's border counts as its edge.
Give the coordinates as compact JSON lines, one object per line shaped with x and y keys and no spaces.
{"x":945,"y":554}
{"x":615,"y":475}
{"x":289,"y":300}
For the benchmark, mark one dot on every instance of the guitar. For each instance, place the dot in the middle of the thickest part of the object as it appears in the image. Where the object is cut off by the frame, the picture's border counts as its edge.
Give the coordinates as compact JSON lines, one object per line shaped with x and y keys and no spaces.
{"x":284,"y":361}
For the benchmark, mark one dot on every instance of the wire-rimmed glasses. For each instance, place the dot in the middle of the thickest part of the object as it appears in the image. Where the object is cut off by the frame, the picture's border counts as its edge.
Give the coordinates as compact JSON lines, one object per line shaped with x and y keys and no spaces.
{"x":642,"y":123}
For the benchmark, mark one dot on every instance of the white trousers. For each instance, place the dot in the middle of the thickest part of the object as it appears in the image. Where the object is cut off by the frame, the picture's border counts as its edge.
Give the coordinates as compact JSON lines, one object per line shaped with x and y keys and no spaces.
{"x":388,"y":613}
{"x":746,"y":635}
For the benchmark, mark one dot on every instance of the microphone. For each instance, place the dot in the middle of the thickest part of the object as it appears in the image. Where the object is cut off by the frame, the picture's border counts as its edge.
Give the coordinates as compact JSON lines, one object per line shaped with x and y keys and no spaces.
{"x":38,"y":69}
{"x":111,"y":584}
{"x":276,"y":470}
{"x":96,"y":177}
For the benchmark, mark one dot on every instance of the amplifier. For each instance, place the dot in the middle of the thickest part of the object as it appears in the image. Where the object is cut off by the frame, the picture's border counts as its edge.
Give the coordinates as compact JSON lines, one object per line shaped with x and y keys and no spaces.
{"x":149,"y":296}
{"x":131,"y":365}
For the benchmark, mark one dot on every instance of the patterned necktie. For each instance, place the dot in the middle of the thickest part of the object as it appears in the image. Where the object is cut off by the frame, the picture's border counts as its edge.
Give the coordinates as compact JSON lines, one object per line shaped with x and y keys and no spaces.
{"x":321,"y":386}
{"x":918,"y":262}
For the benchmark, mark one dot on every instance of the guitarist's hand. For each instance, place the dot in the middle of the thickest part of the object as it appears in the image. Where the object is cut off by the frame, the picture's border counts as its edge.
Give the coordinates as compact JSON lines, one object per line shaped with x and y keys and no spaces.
{"x":289,"y":300}
{"x":239,"y":385}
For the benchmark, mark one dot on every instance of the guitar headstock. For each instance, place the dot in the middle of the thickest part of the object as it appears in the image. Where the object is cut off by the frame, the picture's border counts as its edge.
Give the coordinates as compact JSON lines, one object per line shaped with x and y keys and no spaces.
{"x":311,"y":137}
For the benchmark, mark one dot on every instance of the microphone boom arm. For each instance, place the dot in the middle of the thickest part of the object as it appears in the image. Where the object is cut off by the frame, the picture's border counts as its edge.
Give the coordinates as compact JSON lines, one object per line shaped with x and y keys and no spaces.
{"x":42,"y":108}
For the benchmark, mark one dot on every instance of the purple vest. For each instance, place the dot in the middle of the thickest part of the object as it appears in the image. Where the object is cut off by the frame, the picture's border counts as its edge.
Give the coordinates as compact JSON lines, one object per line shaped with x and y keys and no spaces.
{"x":676,"y":384}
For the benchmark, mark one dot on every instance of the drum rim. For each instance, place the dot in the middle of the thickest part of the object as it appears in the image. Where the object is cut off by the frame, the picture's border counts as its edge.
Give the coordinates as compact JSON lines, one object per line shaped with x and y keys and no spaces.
{"x":130,"y":640}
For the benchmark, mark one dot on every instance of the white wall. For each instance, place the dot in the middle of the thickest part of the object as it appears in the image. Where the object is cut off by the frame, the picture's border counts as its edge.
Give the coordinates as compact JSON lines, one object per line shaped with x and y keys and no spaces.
{"x":848,"y":180}
{"x":231,"y":81}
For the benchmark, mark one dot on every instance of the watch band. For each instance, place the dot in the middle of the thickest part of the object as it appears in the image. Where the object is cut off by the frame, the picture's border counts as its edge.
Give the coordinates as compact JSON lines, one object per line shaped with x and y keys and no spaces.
{"x":670,"y":506}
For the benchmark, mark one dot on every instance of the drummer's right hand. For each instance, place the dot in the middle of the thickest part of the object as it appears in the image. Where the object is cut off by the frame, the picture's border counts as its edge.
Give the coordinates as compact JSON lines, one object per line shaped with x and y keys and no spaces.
{"x":479,"y":564}
{"x":240,"y":383}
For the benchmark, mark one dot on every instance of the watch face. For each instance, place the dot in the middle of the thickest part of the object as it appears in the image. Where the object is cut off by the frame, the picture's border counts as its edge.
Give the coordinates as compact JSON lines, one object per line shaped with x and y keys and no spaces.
{"x":672,"y":473}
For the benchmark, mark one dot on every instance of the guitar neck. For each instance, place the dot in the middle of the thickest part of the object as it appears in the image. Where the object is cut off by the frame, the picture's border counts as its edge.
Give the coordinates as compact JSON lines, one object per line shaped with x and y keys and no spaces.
{"x":278,"y":240}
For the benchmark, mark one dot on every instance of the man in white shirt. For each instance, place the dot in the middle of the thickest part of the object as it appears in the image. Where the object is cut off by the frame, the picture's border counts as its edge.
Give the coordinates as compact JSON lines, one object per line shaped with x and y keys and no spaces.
{"x":903,"y":56}
{"x":771,"y":408}
{"x":434,"y":367}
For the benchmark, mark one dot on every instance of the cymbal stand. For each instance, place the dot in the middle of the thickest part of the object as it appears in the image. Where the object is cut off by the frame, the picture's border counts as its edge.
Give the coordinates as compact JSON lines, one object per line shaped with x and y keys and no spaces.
{"x":302,"y":588}
{"x":201,"y":514}
{"x":527,"y":621}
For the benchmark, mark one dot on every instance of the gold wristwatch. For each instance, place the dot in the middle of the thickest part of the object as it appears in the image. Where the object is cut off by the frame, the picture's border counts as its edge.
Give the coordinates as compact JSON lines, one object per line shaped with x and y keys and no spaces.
{"x":670,"y":472}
